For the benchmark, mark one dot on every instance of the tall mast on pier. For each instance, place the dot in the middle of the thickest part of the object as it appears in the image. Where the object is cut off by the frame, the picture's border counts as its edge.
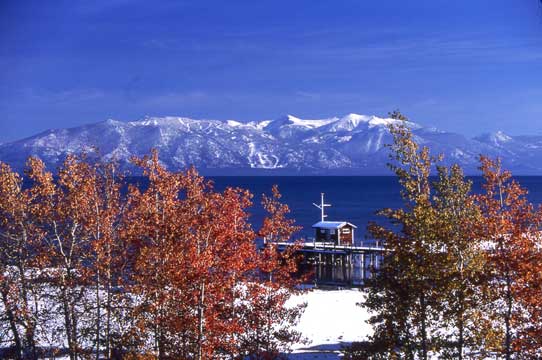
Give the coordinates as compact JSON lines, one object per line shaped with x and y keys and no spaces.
{"x":322,"y":206}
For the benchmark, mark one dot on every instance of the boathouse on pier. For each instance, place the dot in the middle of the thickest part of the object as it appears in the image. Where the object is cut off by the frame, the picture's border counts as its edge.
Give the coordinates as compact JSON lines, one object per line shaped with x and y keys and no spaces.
{"x":337,"y":232}
{"x":334,"y":245}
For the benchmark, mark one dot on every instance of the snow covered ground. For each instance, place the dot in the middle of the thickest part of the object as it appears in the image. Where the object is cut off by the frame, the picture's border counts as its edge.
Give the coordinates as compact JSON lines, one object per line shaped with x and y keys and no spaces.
{"x":331,"y":321}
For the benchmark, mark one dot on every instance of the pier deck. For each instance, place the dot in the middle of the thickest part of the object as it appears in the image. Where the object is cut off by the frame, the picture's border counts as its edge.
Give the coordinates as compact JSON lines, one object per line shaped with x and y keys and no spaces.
{"x":330,"y":247}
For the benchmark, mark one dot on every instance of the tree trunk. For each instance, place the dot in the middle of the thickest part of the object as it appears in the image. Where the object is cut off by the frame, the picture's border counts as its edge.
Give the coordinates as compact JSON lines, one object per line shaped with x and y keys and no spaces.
{"x":423,"y":325}
{"x":269,"y":321}
{"x":201,"y":322}
{"x":507,"y":319}
{"x":29,"y":346}
{"x":461,"y":321}
{"x":108,"y":320}
{"x":98,"y":315}
{"x":12,"y":324}
{"x":68,"y":324}
{"x":70,"y":321}
{"x":461,"y":314}
{"x":160,"y":345}
{"x":460,"y":340}
{"x":30,"y":343}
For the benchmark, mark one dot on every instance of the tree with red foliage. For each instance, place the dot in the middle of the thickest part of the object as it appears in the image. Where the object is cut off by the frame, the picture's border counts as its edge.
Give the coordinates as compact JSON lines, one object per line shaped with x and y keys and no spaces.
{"x":167,"y":271}
{"x":66,"y":215}
{"x":510,"y":227}
{"x":268,"y":319}
{"x":20,"y":245}
{"x":194,"y":258}
{"x":529,"y":290}
{"x":106,"y":260}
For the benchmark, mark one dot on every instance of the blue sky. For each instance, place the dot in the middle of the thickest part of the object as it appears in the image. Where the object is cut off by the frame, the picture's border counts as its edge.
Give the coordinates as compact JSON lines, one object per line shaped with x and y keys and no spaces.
{"x":468,"y":66}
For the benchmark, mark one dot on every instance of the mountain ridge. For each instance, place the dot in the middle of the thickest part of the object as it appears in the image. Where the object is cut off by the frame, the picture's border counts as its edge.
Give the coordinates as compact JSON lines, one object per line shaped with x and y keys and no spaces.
{"x":352,"y":144}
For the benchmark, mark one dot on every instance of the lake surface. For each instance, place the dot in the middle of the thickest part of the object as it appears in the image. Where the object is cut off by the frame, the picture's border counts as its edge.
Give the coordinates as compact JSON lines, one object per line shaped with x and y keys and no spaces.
{"x":353,"y":198}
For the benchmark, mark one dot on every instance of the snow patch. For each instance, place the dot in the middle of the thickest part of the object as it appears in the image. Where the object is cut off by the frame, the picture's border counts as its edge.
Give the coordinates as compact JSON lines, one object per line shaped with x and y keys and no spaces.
{"x":501,"y":137}
{"x":260,"y":160}
{"x":331,"y":320}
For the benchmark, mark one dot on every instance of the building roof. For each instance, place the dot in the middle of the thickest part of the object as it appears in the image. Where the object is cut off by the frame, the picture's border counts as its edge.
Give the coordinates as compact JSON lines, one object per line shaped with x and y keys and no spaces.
{"x":332,"y":224}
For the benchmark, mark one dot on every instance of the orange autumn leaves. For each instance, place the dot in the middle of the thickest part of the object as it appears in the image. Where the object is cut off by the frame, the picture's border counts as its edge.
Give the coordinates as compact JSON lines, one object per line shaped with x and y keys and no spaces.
{"x":169,"y":270}
{"x":511,"y":226}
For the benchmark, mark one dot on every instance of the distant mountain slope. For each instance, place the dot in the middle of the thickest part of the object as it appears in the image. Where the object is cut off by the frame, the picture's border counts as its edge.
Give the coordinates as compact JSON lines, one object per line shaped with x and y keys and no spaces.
{"x":353,"y":144}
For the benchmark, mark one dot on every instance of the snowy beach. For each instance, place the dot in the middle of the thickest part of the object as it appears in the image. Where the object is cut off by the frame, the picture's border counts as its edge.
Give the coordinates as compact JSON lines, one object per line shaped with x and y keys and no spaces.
{"x":331,"y":321}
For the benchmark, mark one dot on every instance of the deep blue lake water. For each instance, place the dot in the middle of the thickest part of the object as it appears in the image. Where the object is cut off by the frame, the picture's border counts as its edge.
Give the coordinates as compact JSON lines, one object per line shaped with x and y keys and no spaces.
{"x":353,"y":198}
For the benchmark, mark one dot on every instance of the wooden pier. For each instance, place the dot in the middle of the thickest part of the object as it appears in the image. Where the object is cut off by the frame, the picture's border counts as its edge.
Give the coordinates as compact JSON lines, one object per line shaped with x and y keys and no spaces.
{"x":353,"y":264}
{"x":334,"y":248}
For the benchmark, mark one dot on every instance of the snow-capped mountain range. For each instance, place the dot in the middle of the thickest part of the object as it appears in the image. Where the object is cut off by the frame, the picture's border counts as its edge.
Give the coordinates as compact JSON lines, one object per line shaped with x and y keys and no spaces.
{"x":352,"y":144}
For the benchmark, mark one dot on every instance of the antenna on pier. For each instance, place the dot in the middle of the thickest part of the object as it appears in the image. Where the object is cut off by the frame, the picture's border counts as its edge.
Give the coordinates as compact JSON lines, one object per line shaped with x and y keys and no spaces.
{"x":322,"y":206}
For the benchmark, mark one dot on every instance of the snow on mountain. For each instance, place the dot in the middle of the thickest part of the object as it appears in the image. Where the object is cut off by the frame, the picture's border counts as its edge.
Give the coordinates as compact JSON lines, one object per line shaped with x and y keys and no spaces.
{"x":287,"y":127}
{"x":351,"y":144}
{"x":497,"y":138}
{"x":348,"y":122}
